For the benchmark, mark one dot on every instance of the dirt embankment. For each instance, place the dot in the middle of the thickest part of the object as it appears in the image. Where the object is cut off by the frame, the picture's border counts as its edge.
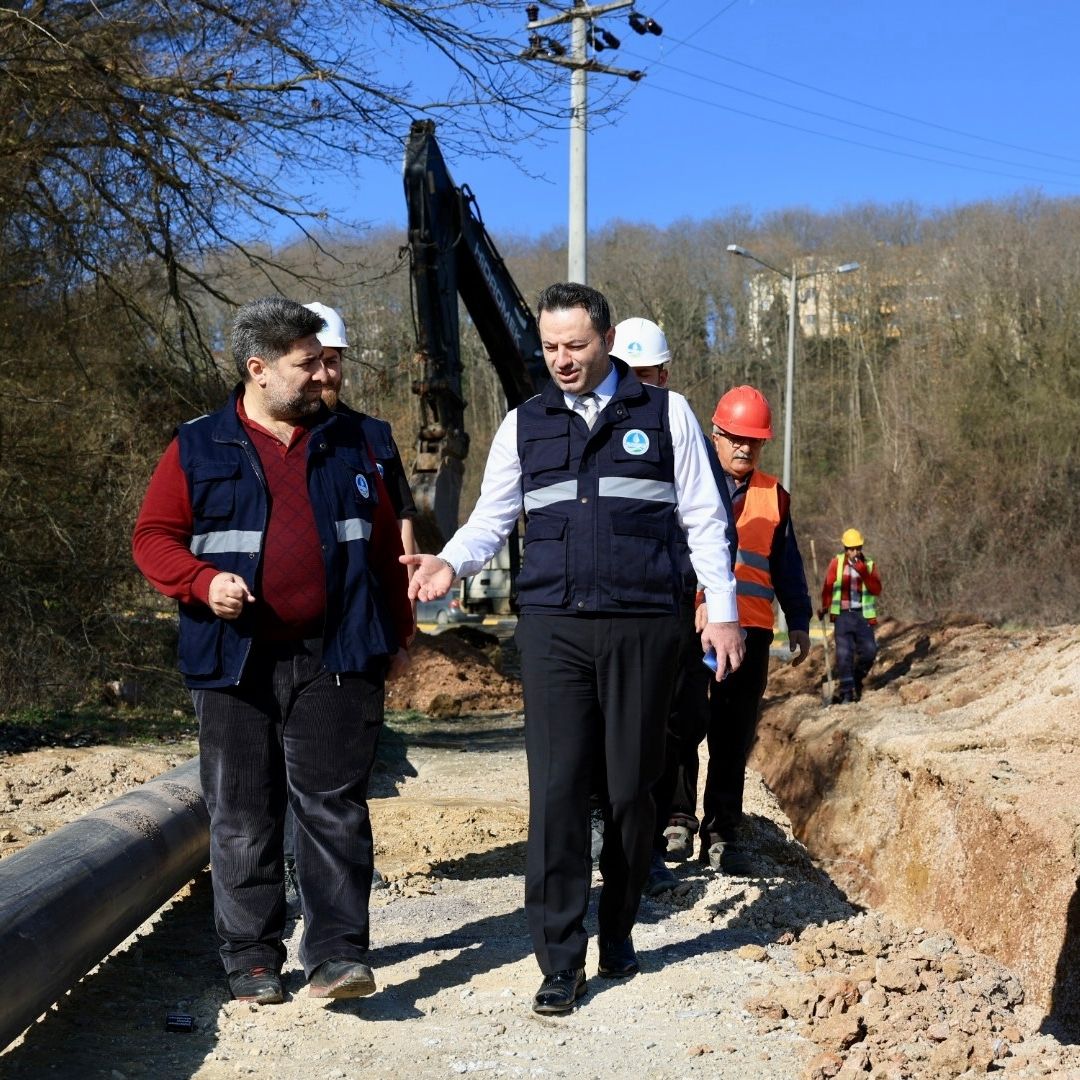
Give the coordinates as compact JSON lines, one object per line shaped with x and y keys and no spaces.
{"x":950,"y":795}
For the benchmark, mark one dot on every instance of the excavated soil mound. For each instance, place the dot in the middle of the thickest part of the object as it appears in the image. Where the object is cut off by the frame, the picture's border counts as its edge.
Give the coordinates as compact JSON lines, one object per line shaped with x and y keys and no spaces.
{"x":453,"y":672}
{"x":950,"y":795}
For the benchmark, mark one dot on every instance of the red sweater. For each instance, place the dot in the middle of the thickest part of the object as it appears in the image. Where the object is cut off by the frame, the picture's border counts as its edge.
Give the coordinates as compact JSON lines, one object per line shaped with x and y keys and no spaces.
{"x":290,"y":594}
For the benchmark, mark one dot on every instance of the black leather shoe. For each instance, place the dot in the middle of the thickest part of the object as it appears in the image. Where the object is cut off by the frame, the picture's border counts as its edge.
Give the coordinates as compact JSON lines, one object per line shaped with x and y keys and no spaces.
{"x":341,"y":979}
{"x":259,"y":984}
{"x":618,"y":960}
{"x":559,"y":991}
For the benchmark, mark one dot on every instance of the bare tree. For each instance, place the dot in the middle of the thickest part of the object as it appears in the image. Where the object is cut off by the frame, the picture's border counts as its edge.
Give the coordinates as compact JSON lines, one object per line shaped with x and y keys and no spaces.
{"x":137,"y":136}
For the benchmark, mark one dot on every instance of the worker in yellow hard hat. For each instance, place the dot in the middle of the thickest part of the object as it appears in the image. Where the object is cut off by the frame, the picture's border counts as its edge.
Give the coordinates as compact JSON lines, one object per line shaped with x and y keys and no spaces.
{"x":849,"y":594}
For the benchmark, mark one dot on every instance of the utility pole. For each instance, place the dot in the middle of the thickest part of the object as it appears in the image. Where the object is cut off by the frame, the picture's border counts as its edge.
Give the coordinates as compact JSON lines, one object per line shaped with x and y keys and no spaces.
{"x":582,"y":35}
{"x":578,"y":217}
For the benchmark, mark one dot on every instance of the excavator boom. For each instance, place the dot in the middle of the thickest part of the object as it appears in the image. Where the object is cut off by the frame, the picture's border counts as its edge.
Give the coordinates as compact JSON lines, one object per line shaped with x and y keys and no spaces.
{"x":453,"y":256}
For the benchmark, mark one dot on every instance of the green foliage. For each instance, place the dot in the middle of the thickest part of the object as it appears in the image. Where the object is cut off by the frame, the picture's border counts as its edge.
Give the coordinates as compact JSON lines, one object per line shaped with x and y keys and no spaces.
{"x":33,"y":728}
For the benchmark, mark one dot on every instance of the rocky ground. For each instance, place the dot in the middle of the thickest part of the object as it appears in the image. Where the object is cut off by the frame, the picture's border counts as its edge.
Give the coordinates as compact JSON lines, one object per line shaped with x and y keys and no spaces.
{"x":778,"y":975}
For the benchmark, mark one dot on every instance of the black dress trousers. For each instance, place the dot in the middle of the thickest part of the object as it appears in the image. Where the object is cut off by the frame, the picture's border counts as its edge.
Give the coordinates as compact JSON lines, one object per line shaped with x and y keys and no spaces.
{"x":597,"y":693}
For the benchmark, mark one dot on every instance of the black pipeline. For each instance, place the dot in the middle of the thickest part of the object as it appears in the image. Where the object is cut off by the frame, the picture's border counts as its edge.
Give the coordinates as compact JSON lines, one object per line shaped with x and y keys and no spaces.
{"x":70,"y":898}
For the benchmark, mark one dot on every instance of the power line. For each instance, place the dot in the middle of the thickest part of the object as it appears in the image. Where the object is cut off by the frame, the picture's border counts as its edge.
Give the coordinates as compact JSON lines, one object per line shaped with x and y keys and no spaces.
{"x":708,"y":22}
{"x":874,"y":108}
{"x":851,"y":142}
{"x":855,"y":124}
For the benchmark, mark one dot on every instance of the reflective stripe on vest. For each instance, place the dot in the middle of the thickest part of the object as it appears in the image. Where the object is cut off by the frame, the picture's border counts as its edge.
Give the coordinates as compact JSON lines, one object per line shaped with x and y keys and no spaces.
{"x":352,"y":529}
{"x":215,"y":543}
{"x":613,"y":487}
{"x":628,"y":487}
{"x":553,"y":493}
{"x":752,"y":558}
{"x":869,"y":600}
{"x":759,"y":518}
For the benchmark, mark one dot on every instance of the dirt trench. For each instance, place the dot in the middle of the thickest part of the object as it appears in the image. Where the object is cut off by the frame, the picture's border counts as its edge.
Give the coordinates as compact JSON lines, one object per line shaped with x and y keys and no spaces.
{"x":949,"y":797}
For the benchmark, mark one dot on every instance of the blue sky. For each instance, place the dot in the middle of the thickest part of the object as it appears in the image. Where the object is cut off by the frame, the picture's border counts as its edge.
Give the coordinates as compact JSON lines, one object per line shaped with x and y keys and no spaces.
{"x":965,"y":101}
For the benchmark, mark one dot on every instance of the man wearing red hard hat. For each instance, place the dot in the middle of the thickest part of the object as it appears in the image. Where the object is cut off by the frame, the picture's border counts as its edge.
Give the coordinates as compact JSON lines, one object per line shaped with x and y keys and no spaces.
{"x":768,"y":567}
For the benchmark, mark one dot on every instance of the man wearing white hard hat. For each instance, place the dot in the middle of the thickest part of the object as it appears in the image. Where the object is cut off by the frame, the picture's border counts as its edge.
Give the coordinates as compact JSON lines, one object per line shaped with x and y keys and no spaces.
{"x":334,"y":341}
{"x":643,"y":346}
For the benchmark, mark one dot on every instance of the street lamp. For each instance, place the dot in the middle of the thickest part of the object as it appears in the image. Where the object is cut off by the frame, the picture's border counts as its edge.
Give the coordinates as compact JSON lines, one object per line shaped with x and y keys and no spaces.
{"x":793,"y":278}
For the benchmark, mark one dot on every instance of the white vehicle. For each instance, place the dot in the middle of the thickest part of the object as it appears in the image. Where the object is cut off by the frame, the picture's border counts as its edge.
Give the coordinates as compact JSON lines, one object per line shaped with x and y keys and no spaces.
{"x":489,"y":590}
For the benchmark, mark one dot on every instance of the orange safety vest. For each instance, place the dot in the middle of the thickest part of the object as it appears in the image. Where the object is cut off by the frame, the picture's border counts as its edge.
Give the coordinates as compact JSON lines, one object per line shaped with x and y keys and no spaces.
{"x":758,"y":521}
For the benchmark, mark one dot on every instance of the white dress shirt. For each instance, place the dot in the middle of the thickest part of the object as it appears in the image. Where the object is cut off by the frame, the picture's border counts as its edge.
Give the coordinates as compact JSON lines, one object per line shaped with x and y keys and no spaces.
{"x":699,"y":509}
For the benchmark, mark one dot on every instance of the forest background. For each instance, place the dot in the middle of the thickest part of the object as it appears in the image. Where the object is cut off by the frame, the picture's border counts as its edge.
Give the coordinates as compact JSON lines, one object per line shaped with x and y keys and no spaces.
{"x":936,"y":393}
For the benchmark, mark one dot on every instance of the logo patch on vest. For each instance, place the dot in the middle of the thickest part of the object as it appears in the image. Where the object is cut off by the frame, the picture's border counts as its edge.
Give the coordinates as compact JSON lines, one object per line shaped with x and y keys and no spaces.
{"x":382,"y":471}
{"x":635,"y":442}
{"x":362,"y":486}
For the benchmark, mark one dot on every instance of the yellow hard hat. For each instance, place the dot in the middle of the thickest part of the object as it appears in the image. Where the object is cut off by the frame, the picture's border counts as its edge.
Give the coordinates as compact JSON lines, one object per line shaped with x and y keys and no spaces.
{"x":851,"y":538}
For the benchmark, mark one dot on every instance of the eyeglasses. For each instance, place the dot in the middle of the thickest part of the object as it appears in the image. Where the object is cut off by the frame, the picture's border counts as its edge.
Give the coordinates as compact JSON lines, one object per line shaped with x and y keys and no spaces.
{"x":736,"y":440}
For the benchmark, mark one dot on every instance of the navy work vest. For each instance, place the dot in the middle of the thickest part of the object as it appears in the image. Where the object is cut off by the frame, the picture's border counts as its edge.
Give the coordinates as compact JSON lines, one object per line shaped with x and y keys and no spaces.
{"x":601,"y":533}
{"x":229,"y":508}
{"x":378,"y":434}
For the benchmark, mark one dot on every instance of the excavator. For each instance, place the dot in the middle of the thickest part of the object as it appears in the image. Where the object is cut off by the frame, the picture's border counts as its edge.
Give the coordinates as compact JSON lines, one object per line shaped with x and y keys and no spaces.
{"x":452,"y":255}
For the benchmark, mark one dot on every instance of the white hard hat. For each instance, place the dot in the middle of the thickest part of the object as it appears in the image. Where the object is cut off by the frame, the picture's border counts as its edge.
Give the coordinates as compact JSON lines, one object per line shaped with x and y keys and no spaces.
{"x":640,"y":343}
{"x":333,"y":337}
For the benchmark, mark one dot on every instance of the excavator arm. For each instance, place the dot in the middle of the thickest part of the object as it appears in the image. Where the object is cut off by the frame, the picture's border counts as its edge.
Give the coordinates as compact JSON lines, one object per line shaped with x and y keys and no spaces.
{"x":452,"y":256}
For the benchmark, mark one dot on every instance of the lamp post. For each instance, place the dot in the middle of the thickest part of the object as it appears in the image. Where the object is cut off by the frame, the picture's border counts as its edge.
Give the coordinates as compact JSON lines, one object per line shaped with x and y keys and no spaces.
{"x":793,"y":278}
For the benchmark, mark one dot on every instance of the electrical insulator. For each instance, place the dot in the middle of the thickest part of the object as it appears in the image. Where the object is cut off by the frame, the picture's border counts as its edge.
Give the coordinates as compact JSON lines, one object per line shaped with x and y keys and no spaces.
{"x":610,"y":40}
{"x":532,"y":12}
{"x":637,"y":22}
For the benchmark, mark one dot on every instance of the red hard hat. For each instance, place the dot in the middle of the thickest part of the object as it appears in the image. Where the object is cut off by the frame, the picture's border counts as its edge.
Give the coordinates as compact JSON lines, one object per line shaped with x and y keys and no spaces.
{"x":744,"y":411}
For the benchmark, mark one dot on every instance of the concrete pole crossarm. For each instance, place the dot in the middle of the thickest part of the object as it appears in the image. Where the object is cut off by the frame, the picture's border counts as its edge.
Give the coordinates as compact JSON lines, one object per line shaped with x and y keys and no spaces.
{"x":70,"y":898}
{"x":578,"y":11}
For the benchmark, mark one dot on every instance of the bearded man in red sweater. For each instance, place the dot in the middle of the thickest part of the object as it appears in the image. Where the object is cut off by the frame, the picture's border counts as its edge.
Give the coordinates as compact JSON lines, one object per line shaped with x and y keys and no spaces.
{"x":269,"y":523}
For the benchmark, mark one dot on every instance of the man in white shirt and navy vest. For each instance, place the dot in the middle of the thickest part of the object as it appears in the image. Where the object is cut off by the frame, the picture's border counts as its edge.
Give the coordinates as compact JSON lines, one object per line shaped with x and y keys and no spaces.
{"x":610,"y":474}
